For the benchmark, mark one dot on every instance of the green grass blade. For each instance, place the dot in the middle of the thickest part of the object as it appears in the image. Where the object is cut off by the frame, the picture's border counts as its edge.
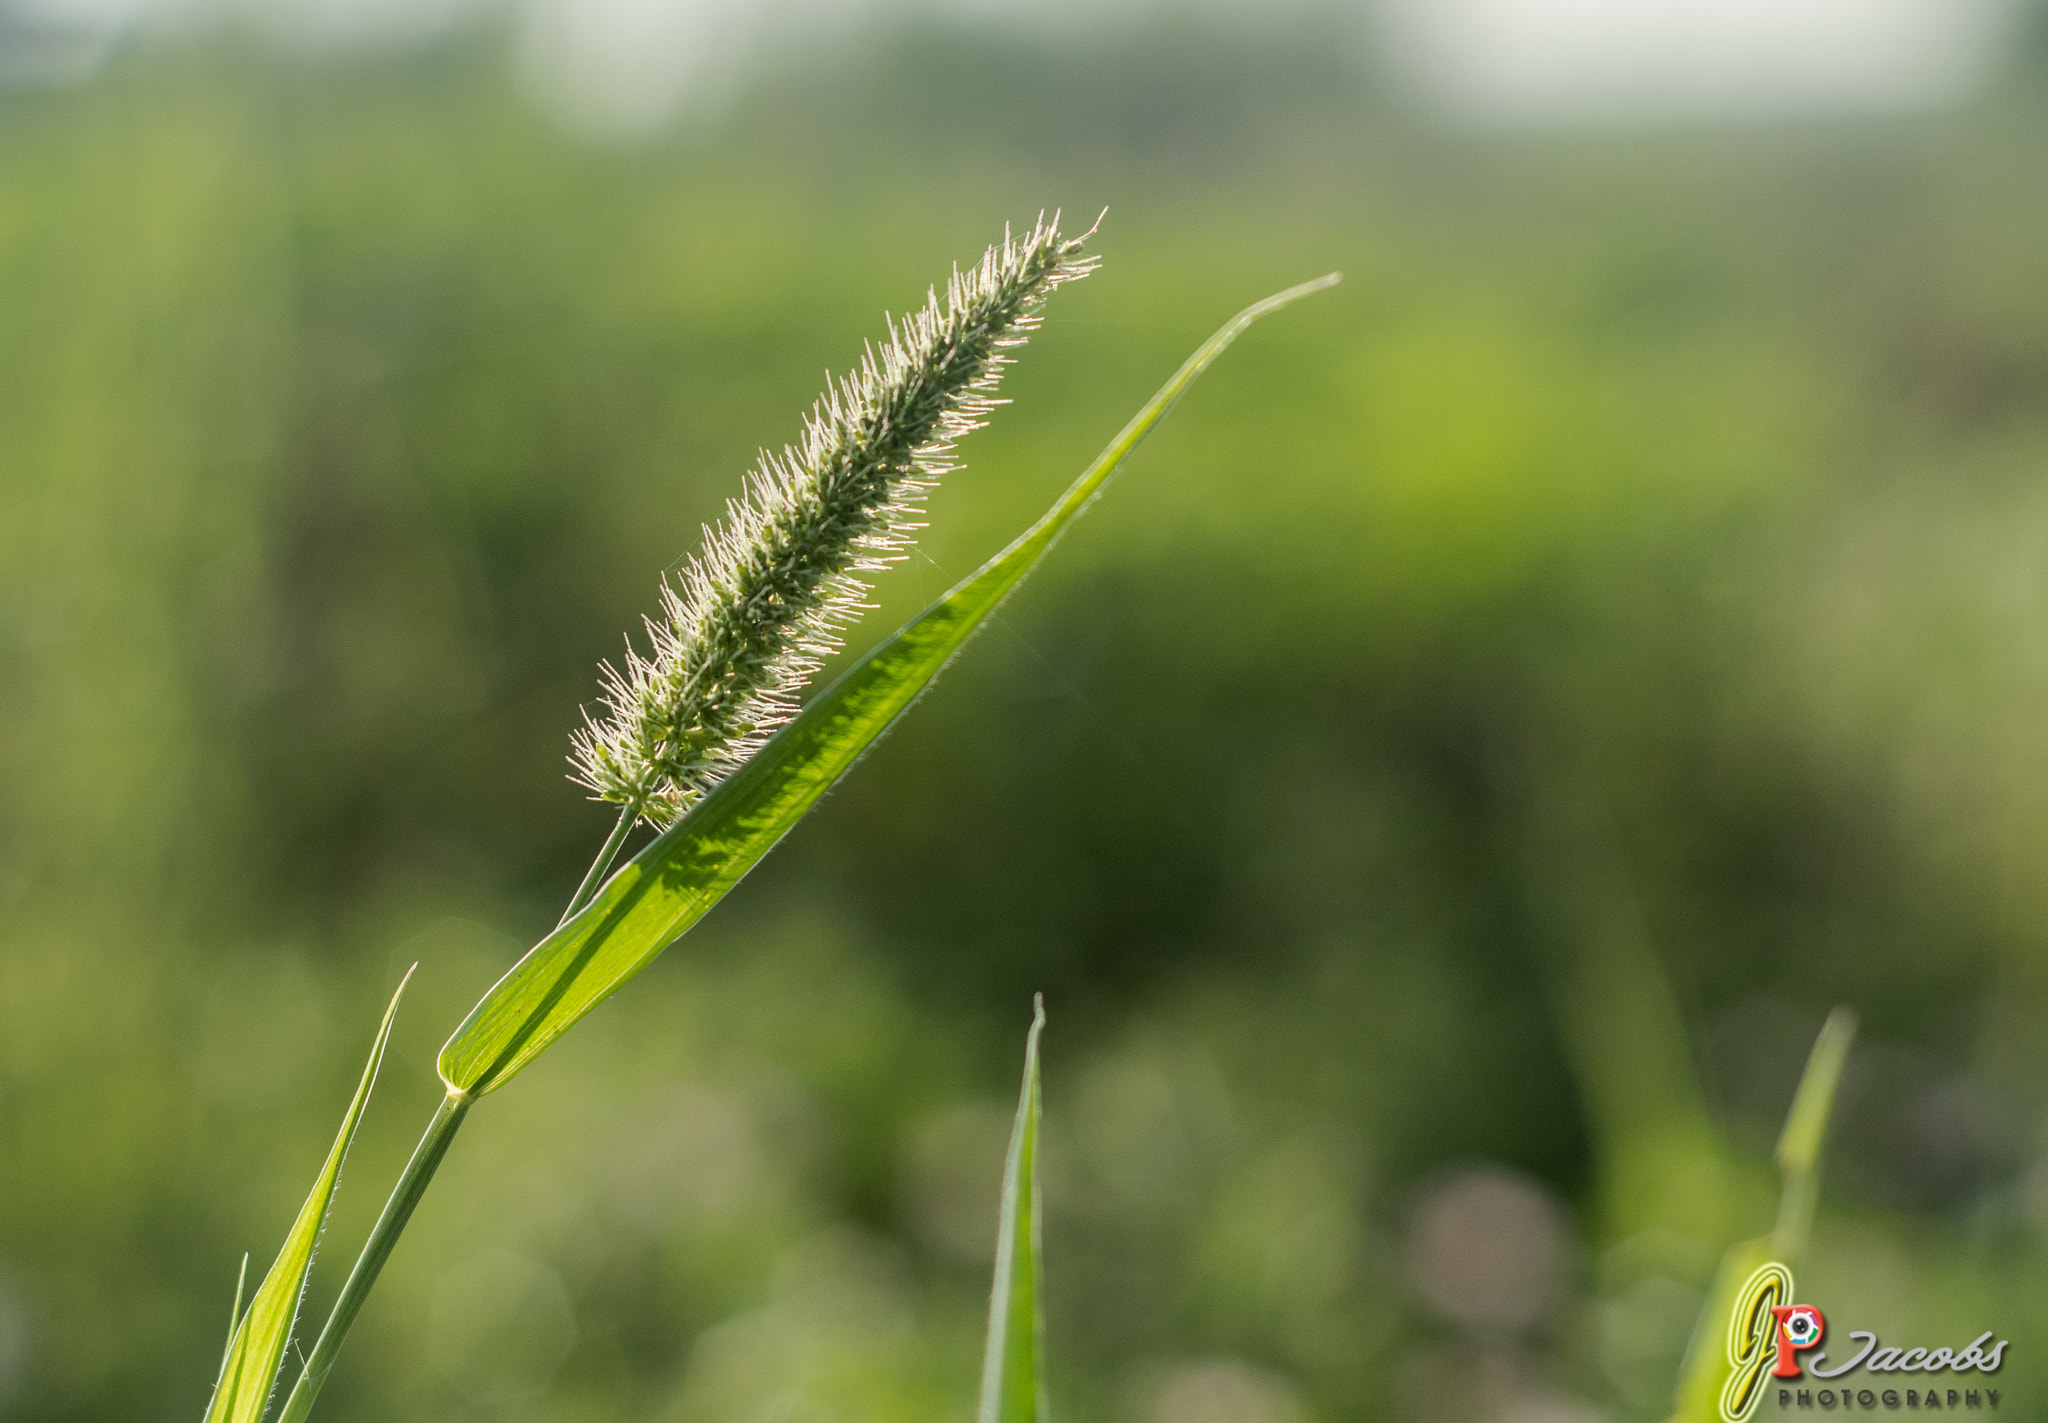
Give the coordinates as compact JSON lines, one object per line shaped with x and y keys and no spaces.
{"x":256,"y":1349}
{"x":1013,"y":1368}
{"x":234,"y":1319}
{"x":1708,"y":1366}
{"x":1806,"y":1127}
{"x":669,"y":885}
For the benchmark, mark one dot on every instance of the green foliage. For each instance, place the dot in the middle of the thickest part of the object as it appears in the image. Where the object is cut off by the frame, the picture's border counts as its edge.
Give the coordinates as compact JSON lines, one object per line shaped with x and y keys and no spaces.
{"x":1013,"y":1363}
{"x":255,"y":1352}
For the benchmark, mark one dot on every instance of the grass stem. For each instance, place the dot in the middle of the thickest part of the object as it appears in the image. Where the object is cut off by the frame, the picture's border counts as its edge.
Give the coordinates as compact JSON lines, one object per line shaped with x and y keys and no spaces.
{"x":593,"y":878}
{"x":419,"y":1172}
{"x":426,"y":1159}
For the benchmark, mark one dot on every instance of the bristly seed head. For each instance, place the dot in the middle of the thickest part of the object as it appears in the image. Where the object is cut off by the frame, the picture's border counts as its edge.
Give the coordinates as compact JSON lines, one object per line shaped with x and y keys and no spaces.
{"x":748,"y":621}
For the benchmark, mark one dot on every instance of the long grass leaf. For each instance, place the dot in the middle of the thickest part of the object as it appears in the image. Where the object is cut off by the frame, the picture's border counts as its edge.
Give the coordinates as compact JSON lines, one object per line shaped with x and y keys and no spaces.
{"x":1714,"y":1354}
{"x":1013,"y":1366}
{"x":256,"y":1350}
{"x":669,"y":885}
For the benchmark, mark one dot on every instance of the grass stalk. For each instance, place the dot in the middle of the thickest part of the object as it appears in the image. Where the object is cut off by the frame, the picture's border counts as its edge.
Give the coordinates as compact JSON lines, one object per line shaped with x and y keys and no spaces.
{"x":419,"y":1172}
{"x":594,"y":876}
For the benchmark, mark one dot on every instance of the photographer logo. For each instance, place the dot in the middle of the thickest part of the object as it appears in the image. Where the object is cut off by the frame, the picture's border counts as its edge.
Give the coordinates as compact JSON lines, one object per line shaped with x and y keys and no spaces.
{"x":1775,"y":1343}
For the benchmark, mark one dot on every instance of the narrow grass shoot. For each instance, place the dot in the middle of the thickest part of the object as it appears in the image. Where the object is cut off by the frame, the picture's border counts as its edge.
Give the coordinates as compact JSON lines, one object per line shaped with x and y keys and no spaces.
{"x":1710,"y":1361}
{"x":234,"y":1319}
{"x":1013,"y":1366}
{"x":1806,"y":1130}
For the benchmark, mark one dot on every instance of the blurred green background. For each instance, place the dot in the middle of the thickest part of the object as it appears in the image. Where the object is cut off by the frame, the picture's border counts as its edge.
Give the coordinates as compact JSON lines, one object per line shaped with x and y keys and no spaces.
{"x":1439,"y":791}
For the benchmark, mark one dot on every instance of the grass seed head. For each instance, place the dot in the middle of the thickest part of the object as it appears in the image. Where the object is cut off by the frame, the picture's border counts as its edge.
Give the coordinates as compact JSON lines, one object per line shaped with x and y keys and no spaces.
{"x":748,"y":621}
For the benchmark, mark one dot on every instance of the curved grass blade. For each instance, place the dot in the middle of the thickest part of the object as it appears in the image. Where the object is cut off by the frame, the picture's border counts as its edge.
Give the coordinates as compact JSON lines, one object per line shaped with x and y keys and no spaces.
{"x":1013,"y":1366}
{"x":669,"y":885}
{"x":1708,"y":1366}
{"x":256,"y":1349}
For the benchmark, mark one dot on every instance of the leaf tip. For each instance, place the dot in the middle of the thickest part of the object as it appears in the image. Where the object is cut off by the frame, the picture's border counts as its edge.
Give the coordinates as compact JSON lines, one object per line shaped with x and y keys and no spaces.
{"x":1813,"y":1101}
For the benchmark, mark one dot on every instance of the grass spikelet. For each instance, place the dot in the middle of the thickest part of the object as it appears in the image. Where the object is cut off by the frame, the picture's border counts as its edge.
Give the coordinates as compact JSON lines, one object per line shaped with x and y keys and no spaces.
{"x":749,"y":620}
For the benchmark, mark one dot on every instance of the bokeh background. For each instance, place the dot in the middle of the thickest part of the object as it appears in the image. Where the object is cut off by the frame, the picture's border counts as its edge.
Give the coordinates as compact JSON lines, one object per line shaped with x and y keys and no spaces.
{"x":1439,"y":792}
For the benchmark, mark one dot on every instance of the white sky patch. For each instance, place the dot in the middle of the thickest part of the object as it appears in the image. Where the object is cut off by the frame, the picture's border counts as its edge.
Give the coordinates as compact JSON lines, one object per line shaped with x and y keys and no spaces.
{"x":625,"y":66}
{"x":1523,"y":61}
{"x":620,"y":67}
